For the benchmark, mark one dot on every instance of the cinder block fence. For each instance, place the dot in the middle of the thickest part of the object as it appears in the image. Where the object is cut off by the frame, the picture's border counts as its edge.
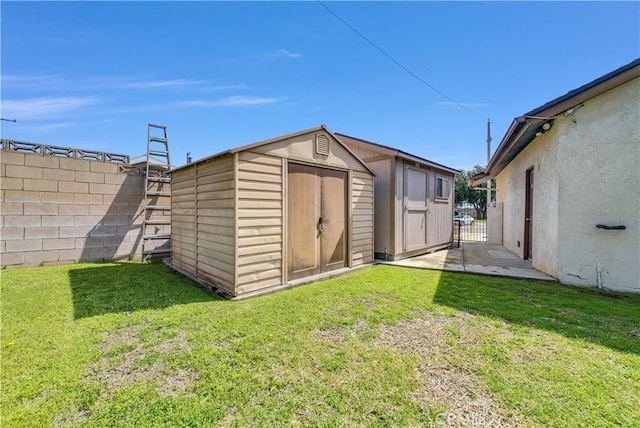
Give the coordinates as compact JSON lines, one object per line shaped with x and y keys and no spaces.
{"x":59,"y":210}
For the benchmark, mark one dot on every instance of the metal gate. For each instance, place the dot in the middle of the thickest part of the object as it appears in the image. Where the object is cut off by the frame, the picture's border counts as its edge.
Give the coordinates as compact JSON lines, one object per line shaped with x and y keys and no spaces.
{"x":469,"y":230}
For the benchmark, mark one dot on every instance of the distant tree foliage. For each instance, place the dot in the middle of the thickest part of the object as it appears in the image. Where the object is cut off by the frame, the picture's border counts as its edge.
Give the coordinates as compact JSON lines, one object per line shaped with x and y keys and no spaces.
{"x":474,"y":197}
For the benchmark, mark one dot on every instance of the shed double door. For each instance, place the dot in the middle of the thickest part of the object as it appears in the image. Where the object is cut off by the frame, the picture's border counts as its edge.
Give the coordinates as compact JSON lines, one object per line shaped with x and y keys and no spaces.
{"x":316,"y":220}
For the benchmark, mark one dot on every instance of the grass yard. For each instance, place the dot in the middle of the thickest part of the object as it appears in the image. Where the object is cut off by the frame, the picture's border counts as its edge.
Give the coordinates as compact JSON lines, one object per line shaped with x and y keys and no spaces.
{"x":135,"y":345}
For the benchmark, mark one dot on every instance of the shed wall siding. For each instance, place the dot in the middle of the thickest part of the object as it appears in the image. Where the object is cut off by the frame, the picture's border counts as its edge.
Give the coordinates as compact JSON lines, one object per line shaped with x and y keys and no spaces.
{"x":383,"y":199}
{"x":362,"y":218}
{"x":183,"y":219}
{"x":260,"y":221}
{"x":215,"y":238}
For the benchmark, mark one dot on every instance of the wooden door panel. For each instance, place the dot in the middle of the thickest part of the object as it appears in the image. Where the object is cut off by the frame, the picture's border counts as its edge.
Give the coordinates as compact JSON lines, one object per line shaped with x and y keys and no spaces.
{"x":314,"y":194}
{"x":333,"y":245}
{"x":416,"y":188}
{"x":303,"y":211}
{"x":417,"y":229}
{"x":415,"y":212}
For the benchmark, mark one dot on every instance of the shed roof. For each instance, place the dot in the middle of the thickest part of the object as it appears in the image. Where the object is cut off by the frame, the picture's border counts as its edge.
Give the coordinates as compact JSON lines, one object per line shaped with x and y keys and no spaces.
{"x":273,"y":140}
{"x":398,"y":153}
{"x":524,"y":128}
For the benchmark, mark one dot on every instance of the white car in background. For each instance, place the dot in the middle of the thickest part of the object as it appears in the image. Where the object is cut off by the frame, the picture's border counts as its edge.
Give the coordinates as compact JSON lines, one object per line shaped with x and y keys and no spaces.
{"x":464,"y":219}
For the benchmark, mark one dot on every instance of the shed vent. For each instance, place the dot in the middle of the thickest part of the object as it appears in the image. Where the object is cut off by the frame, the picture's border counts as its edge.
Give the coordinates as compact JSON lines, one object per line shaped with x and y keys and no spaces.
{"x":322,"y":144}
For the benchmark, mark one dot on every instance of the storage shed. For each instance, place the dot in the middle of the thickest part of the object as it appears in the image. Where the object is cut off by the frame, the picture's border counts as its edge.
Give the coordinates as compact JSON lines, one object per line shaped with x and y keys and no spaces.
{"x":271,"y":214}
{"x":413,"y":200}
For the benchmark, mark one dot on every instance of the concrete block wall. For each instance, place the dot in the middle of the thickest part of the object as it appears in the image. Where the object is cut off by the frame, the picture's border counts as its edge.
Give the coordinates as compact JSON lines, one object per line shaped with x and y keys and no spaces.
{"x":61,"y":210}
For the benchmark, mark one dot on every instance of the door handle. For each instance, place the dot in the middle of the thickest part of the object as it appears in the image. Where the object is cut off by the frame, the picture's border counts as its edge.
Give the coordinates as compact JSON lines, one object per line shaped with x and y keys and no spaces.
{"x":320,"y":224}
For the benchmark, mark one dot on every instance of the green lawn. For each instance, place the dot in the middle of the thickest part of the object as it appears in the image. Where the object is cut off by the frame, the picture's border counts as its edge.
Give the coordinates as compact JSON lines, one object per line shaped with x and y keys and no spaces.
{"x":136,"y":345}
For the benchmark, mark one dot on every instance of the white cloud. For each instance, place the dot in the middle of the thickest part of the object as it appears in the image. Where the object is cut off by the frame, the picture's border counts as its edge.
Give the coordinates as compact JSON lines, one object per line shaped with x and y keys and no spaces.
{"x":45,"y":107}
{"x":48,"y":81}
{"x":49,"y":127}
{"x":468,"y":105}
{"x":236,"y":100}
{"x":285,"y":53}
{"x":224,"y":87}
{"x":62,"y":83}
{"x":160,"y":83}
{"x":269,"y":56}
{"x":239,"y":100}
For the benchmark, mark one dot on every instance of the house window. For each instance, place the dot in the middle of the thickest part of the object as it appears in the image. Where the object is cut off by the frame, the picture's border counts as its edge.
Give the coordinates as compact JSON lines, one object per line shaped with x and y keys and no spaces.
{"x":442,"y":188}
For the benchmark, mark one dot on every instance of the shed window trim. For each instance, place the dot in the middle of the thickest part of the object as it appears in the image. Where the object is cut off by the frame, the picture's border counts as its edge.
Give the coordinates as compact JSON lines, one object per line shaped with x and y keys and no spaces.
{"x":442,"y":188}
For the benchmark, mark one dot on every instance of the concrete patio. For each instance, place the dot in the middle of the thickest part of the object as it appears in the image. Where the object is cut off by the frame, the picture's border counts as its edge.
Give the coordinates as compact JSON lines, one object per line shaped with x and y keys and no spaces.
{"x":476,"y":257}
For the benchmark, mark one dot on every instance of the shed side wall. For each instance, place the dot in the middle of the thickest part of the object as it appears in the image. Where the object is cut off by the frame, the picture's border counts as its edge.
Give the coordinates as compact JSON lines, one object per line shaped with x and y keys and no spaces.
{"x":362,"y":218}
{"x":381,"y":163}
{"x":215,"y":227}
{"x":183,"y":219}
{"x":260,"y":221}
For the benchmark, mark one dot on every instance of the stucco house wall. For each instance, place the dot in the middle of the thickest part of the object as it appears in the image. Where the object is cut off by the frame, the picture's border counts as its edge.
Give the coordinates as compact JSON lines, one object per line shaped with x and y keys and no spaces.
{"x":586,"y":172}
{"x":511,"y":182}
{"x":598,"y":183}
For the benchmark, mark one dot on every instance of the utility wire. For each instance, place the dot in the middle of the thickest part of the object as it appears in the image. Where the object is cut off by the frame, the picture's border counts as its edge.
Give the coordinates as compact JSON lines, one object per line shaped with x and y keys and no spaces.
{"x":396,"y":62}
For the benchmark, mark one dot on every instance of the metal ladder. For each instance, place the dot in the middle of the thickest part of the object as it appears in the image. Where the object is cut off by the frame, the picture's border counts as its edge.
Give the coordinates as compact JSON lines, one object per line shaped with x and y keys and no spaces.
{"x":156,"y":225}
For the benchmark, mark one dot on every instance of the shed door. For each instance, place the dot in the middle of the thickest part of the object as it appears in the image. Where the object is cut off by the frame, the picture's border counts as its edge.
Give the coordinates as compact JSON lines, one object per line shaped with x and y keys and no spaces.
{"x":415,"y":209}
{"x":316,"y":220}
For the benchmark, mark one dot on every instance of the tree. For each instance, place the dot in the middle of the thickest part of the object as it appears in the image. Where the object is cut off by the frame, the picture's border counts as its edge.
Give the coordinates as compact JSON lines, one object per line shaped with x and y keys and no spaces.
{"x":474,"y":197}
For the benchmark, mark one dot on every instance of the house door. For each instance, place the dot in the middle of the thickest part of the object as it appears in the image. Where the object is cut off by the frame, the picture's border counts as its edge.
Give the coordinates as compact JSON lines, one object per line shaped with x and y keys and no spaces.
{"x":415,"y":209}
{"x":528,"y":215}
{"x":316,"y":220}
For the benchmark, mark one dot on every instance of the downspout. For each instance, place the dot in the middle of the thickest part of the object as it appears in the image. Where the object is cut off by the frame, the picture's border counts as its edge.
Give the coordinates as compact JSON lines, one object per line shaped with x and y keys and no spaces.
{"x":599,"y":276}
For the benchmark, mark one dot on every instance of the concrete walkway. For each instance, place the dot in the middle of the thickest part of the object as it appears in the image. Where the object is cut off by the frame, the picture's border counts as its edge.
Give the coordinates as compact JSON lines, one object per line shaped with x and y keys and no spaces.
{"x":476,"y":257}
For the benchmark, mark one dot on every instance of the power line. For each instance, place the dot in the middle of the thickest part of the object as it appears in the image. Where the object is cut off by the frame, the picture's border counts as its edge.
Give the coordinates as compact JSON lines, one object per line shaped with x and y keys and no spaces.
{"x":396,"y":62}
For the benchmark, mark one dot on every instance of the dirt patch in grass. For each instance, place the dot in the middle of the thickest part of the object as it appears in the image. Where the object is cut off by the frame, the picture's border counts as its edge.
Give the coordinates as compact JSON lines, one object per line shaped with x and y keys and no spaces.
{"x":72,"y":418}
{"x":456,"y":393}
{"x":338,"y":335}
{"x":126,"y":360}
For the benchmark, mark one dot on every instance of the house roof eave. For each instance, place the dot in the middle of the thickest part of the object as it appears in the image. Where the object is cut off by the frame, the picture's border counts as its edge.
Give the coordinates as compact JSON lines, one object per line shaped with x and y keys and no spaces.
{"x":524,"y":128}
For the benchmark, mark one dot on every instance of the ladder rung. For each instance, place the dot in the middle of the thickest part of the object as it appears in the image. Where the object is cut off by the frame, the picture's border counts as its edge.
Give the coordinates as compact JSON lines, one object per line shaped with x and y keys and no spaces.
{"x":158,"y":194}
{"x":158,"y":207}
{"x":150,"y":252}
{"x":158,"y":236}
{"x":157,"y":222}
{"x":157,"y":139}
{"x":159,"y":179}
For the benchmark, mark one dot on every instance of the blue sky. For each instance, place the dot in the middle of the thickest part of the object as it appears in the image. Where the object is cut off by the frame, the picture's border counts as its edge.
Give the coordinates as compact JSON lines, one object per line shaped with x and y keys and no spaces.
{"x":92,"y":75}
